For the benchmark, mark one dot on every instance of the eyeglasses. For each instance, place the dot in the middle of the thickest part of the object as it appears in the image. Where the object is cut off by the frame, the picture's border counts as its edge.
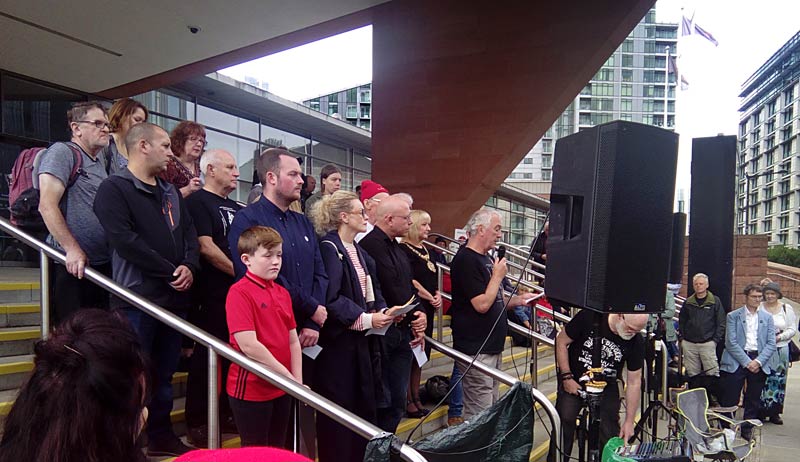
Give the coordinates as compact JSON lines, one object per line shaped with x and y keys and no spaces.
{"x":406,"y":218}
{"x":361,"y":212}
{"x":374,"y":200}
{"x":195,"y":139}
{"x":97,"y":123}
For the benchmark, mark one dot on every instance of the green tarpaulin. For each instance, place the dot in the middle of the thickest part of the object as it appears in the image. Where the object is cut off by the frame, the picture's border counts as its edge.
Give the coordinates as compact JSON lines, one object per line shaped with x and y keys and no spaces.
{"x":504,"y":432}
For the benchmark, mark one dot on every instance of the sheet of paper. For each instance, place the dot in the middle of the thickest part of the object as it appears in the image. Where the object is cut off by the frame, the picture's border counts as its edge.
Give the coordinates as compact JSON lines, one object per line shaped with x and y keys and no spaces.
{"x":404,"y":310}
{"x":419,"y":353}
{"x":312,"y":351}
{"x":379,"y":330}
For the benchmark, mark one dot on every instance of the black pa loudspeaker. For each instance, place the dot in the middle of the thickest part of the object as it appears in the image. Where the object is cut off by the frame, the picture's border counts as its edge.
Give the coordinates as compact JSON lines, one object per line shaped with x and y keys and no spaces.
{"x":712,"y":212}
{"x":611,"y":218}
{"x":678,"y":248}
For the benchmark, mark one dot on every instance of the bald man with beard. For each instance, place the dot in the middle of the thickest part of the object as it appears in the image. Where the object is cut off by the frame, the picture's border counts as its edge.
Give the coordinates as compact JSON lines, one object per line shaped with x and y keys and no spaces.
{"x":393,"y":218}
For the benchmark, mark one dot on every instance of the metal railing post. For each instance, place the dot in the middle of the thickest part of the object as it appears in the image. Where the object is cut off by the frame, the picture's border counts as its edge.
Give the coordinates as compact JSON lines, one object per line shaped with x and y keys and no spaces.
{"x":440,"y":311}
{"x":213,"y":400}
{"x":664,"y":360}
{"x":44,"y":292}
{"x":296,"y":425}
{"x":535,"y":348}
{"x":339,"y":414}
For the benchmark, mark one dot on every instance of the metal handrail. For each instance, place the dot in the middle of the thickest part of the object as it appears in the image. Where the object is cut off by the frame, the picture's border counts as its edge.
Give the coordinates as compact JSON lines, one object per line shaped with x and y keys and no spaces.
{"x":215,"y":346}
{"x":529,"y":271}
{"x":783,"y":276}
{"x":510,"y":250}
{"x":507,"y":379}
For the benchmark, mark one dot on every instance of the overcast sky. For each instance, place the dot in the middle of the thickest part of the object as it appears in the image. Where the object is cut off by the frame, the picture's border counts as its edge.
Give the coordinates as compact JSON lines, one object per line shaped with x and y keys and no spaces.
{"x":748,"y":32}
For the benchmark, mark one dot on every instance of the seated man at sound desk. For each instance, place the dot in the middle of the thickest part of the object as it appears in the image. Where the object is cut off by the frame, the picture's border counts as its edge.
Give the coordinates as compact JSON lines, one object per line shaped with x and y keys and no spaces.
{"x":621,"y":345}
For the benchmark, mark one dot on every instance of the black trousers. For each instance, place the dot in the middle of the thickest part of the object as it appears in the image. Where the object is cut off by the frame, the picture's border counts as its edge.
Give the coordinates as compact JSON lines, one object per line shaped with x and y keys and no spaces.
{"x":262,"y":423}
{"x":569,"y":406}
{"x":69,"y":294}
{"x":732,"y":384}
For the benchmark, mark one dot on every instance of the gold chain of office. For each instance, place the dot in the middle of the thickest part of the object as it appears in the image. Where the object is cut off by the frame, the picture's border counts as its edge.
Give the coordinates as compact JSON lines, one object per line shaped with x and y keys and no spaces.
{"x":426,"y":256}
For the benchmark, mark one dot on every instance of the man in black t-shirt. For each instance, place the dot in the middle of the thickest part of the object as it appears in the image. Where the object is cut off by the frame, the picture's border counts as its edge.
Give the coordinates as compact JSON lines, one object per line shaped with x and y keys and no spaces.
{"x":478,"y":301}
{"x":622,"y":345}
{"x":212,"y":212}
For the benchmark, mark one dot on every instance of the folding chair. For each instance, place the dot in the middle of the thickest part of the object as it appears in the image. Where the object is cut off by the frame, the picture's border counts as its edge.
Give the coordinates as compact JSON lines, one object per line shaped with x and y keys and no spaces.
{"x":705,"y":441}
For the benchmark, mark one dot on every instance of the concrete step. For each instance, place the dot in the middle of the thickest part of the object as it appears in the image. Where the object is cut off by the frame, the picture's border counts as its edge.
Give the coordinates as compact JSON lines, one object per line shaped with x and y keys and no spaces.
{"x":14,"y":370}
{"x":19,"y":292}
{"x":20,"y":314}
{"x":18,"y":340}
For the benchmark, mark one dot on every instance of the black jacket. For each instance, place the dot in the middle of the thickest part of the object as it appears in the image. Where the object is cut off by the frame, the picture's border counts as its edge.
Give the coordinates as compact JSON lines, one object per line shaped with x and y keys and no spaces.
{"x":701,"y":323}
{"x":150,"y":234}
{"x":393,"y":270}
{"x":345,"y":301}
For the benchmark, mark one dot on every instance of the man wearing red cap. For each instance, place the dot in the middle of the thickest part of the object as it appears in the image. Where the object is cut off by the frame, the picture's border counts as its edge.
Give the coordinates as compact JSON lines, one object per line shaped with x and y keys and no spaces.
{"x":371,"y":195}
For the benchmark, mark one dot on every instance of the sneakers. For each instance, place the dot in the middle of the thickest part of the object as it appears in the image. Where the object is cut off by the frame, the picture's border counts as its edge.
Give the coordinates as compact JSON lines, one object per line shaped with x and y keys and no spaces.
{"x":776,"y":419}
{"x":169,"y":447}
{"x":453,"y":421}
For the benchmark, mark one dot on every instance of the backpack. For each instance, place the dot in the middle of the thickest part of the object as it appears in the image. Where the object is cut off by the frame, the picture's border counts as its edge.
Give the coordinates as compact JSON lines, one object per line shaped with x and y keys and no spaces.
{"x":23,"y":197}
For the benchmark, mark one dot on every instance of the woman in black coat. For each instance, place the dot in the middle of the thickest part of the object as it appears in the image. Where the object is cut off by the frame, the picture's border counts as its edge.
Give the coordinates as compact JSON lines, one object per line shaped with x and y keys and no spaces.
{"x":347,"y":370}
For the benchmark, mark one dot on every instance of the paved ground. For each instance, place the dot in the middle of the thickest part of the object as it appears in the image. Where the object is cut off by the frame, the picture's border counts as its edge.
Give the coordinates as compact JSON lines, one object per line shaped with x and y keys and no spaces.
{"x":18,"y":274}
{"x":782,"y":442}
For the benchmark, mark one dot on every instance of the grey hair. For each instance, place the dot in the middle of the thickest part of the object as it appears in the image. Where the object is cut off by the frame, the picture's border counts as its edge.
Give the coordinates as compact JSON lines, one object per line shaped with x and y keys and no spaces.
{"x":213,"y":156}
{"x":480,"y":218}
{"x":699,"y":276}
{"x":406,"y":197}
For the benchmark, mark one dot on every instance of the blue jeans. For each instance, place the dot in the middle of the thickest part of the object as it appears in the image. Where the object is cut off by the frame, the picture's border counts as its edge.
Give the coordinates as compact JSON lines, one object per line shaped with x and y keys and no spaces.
{"x":162,"y":345}
{"x":457,"y":395}
{"x":396,"y":365}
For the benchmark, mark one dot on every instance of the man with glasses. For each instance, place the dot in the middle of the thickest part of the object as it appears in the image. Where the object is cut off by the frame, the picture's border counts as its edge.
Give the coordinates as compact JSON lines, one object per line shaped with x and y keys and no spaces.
{"x":621,"y":344}
{"x":749,"y":346}
{"x":394,"y":275}
{"x":65,"y":204}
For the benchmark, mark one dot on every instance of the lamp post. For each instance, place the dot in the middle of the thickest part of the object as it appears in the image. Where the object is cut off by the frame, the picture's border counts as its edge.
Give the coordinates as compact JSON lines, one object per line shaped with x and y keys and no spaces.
{"x":750,"y":176}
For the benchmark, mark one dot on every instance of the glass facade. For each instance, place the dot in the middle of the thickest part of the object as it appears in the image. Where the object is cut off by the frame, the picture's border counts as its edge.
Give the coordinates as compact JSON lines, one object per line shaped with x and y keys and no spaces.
{"x":520,"y":222}
{"x":34,"y":114}
{"x":246,"y":135}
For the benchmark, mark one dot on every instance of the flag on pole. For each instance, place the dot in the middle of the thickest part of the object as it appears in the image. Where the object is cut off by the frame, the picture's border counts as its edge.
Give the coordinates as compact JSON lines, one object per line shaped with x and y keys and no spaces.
{"x":672,"y":65}
{"x":684,"y":84}
{"x":706,"y":35}
{"x":688,"y":27}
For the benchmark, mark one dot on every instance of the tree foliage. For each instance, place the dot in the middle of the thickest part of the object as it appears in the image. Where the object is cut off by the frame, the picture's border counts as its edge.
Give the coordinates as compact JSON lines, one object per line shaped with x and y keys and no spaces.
{"x":784,"y":255}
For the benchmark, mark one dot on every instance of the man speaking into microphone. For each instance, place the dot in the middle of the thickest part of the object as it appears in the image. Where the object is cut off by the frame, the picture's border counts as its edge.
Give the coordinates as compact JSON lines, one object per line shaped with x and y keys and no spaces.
{"x":478,"y":301}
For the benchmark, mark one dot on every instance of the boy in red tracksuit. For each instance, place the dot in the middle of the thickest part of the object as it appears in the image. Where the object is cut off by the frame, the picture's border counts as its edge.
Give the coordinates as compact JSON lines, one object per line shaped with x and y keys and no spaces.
{"x":262,"y":326}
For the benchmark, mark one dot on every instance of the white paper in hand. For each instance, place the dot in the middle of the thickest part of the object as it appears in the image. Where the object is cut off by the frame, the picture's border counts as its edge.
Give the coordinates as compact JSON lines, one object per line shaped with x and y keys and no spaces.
{"x":420,"y":355}
{"x":312,"y":351}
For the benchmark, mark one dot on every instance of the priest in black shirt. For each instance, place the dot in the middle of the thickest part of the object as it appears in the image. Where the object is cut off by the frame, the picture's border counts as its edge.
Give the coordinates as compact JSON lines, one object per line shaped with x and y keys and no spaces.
{"x":212,"y":212}
{"x":478,"y":302}
{"x":622,"y":345}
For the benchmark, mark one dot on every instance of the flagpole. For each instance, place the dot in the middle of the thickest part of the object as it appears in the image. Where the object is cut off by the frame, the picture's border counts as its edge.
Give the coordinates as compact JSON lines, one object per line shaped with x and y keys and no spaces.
{"x":666,"y":90}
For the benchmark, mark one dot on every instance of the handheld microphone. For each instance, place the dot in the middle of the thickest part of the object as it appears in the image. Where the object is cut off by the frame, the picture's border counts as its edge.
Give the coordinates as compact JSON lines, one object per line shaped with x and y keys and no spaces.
{"x":501,"y":252}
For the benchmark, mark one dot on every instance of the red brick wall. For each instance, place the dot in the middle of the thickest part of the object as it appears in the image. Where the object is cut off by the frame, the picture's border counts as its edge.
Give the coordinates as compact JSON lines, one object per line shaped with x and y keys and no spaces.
{"x":749,"y":265}
{"x":788,"y":277}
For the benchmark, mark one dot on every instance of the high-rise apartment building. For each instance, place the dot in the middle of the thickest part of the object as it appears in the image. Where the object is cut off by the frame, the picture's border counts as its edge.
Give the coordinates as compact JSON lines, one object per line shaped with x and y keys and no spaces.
{"x":768,"y":181}
{"x":353,"y":105}
{"x":636,"y":83}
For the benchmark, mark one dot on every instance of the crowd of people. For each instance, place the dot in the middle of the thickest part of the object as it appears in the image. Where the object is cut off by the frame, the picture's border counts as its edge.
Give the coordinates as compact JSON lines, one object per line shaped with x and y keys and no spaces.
{"x":289,"y":273}
{"x":310,"y":285}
